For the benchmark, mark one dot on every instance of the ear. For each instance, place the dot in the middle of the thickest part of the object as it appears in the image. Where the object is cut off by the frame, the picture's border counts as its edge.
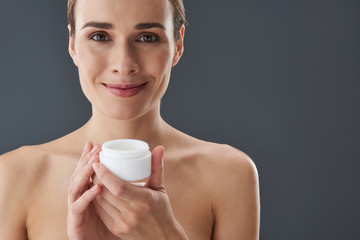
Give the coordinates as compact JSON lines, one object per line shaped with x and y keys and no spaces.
{"x":72,"y":46}
{"x":179,"y":46}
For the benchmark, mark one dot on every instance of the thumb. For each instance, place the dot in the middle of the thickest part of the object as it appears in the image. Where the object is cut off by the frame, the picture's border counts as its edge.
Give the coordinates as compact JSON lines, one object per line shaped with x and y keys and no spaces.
{"x":156,"y":181}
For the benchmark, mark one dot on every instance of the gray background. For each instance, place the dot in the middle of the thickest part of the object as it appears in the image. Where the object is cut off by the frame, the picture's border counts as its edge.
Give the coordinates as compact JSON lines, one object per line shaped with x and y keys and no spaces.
{"x":278,"y":79}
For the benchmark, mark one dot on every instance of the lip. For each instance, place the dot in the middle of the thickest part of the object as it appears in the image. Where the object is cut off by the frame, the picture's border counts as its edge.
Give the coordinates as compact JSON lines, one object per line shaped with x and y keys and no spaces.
{"x":124,"y":90}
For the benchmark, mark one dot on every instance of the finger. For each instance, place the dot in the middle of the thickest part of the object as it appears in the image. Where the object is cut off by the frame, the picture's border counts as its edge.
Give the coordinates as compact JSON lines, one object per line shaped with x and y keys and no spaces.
{"x":95,"y":179}
{"x":115,"y":185}
{"x":121,"y":205}
{"x":85,"y":152}
{"x":85,"y":158}
{"x":156,"y":179}
{"x":81,"y":181}
{"x":87,"y":148}
{"x":110,"y":216}
{"x":77,"y":208}
{"x":94,"y":151}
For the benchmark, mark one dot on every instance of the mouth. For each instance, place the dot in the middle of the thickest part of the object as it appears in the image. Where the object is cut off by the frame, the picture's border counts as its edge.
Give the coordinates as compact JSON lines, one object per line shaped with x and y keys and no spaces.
{"x":125,"y":90}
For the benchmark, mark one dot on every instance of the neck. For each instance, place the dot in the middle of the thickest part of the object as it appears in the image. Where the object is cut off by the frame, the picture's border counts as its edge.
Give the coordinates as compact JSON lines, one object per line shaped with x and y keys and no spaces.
{"x":149,"y":128}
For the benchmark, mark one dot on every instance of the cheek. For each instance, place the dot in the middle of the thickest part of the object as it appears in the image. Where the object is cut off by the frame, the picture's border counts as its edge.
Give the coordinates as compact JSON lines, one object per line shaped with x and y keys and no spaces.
{"x":159,"y":66}
{"x":90,"y":64}
{"x":159,"y":63}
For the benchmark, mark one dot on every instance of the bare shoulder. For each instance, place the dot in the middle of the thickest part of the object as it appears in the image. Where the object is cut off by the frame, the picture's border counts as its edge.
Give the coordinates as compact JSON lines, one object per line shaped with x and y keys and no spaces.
{"x":31,"y":158}
{"x":228,"y":178}
{"x":233,"y":180}
{"x":18,"y":176}
{"x":216,"y":162}
{"x":221,"y":166}
{"x":24,"y":166}
{"x":27,"y":179}
{"x":29,"y":165}
{"x":18,"y":163}
{"x":230,"y":162}
{"x":231,"y":174}
{"x":223,"y":162}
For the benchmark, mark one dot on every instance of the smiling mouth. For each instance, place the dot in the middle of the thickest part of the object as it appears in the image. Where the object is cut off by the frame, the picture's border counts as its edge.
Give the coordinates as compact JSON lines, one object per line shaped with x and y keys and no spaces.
{"x":125,"y":90}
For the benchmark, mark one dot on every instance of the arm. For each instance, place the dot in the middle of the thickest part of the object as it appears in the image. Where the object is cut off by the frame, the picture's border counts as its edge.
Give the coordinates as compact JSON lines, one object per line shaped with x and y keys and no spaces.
{"x":236,"y":202}
{"x":12,"y":201}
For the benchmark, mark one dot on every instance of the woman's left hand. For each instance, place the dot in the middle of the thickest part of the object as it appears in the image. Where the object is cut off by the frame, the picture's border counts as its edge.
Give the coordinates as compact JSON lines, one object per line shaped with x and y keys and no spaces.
{"x":133,"y":212}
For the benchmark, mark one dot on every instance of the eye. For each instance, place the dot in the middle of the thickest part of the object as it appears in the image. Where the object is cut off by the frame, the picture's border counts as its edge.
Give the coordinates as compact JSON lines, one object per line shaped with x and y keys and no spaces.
{"x":148,"y":38}
{"x":99,"y":37}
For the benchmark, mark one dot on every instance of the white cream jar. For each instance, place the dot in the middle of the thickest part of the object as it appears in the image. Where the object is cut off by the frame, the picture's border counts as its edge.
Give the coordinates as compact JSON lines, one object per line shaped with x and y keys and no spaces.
{"x":128,"y":159}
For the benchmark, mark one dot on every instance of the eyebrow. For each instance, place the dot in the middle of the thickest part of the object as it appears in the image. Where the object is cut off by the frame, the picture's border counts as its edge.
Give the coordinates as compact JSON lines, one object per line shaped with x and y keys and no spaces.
{"x":149,"y":25}
{"x":139,"y":26}
{"x":98,"y":25}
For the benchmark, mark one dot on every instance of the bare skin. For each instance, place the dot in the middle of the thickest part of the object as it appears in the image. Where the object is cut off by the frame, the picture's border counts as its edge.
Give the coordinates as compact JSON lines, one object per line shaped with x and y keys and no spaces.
{"x":212,"y":188}
{"x":203,"y":191}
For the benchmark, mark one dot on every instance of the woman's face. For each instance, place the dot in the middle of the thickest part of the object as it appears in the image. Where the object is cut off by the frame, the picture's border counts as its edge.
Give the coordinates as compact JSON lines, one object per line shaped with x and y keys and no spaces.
{"x":124,"y":51}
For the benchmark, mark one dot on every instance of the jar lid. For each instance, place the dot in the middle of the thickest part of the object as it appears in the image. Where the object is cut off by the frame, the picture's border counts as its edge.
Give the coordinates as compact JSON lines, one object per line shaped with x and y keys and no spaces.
{"x":125,"y":148}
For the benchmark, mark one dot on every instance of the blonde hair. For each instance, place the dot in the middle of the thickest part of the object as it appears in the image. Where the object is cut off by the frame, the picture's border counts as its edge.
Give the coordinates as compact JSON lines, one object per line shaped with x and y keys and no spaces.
{"x":177,"y":7}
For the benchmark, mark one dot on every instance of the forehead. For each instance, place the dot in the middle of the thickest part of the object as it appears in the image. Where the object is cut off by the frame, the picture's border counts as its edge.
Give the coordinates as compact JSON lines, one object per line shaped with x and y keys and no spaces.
{"x":124,"y":12}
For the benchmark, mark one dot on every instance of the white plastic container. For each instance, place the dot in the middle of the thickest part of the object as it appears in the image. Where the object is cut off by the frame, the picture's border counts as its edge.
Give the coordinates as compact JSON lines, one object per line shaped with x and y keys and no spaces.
{"x":128,"y":159}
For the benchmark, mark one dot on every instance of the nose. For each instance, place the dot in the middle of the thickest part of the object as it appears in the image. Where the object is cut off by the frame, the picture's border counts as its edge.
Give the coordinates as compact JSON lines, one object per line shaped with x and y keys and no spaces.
{"x":124,"y":59}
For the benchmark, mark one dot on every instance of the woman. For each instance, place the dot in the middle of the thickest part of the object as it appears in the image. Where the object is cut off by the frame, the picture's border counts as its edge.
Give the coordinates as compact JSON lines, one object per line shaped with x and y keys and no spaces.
{"x":124,"y":51}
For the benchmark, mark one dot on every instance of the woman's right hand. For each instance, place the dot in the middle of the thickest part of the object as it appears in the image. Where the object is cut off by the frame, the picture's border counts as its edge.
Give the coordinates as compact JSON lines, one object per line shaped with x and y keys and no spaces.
{"x":82,"y":222}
